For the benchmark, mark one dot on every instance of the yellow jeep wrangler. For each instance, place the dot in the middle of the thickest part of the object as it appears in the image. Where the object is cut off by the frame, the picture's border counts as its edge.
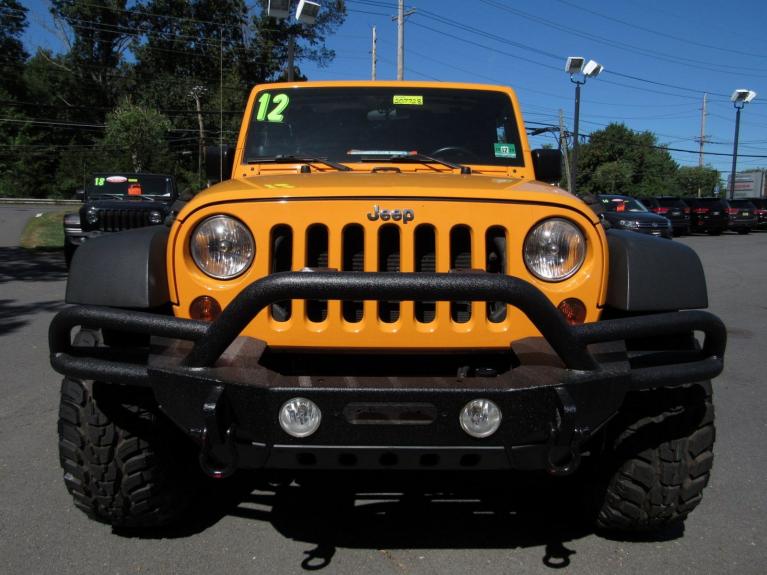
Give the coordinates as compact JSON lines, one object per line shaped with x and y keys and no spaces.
{"x":386,"y":277}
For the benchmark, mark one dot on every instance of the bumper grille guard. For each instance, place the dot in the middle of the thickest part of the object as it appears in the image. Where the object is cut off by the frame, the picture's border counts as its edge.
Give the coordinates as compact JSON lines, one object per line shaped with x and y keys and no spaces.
{"x":211,"y":339}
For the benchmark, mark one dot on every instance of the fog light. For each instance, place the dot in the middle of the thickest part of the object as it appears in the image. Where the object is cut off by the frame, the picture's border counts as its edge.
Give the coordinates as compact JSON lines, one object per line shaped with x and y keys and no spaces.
{"x":300,"y":417}
{"x":205,"y":308}
{"x":480,"y":418}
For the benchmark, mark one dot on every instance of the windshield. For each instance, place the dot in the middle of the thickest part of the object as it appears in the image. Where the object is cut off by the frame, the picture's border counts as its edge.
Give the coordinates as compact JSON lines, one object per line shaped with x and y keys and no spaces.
{"x":620,"y":204}
{"x":129,"y":185}
{"x":357,"y":124}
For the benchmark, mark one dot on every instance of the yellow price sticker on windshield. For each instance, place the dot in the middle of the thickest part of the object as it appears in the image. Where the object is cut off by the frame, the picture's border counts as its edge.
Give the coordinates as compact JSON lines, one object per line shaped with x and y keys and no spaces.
{"x":408,"y":100}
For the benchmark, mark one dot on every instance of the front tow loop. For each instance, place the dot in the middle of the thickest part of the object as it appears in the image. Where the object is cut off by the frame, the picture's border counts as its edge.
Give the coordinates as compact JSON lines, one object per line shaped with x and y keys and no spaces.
{"x":563,"y":456}
{"x":218,"y":450}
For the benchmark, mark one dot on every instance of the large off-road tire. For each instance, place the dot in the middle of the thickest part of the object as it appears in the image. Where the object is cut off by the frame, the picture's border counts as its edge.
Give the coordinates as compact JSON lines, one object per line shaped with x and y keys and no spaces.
{"x":124,"y":463}
{"x":657,"y":459}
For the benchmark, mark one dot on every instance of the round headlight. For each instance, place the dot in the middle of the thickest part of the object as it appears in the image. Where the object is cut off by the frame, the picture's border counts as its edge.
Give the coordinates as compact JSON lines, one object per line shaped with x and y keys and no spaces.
{"x":300,"y":417}
{"x":480,"y":418}
{"x":554,"y":250}
{"x":155,"y":217}
{"x":222,"y":247}
{"x":92,"y":215}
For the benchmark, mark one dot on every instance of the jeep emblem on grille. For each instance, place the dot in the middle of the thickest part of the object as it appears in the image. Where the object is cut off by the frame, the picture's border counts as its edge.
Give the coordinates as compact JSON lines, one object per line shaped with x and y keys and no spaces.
{"x":406,"y":215}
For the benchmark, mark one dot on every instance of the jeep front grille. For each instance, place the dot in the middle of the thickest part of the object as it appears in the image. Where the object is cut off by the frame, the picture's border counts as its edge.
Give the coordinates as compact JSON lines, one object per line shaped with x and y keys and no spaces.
{"x":114,"y":220}
{"x":389,"y":248}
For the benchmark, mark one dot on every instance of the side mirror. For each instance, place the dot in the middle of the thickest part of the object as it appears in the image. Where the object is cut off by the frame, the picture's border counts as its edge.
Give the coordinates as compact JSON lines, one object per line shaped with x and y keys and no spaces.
{"x":218,"y":163}
{"x":547,"y":163}
{"x":80,"y":194}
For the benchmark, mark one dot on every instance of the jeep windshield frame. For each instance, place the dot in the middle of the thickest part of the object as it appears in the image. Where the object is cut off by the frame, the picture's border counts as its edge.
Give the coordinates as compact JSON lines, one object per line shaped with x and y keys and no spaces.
{"x":454,"y":126}
{"x":117,"y":185}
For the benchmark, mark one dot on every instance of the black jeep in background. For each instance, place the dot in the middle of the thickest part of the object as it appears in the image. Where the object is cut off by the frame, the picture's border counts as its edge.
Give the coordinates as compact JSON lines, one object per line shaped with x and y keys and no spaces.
{"x":113,"y":202}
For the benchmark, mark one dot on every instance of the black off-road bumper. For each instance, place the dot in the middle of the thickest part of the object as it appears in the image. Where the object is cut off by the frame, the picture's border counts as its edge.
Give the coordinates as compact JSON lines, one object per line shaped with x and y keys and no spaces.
{"x":389,"y":410}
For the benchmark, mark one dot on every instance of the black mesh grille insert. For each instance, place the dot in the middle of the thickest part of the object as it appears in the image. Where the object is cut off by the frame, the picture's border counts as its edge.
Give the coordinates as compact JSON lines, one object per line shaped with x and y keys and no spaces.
{"x":388,"y":261}
{"x":281,"y":258}
{"x":317,"y":257}
{"x":460,"y":259}
{"x":495,"y":263}
{"x":425,"y":261}
{"x":353,"y":249}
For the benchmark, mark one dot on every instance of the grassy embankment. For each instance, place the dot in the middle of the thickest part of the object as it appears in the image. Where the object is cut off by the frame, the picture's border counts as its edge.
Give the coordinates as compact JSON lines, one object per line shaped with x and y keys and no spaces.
{"x":44,"y":232}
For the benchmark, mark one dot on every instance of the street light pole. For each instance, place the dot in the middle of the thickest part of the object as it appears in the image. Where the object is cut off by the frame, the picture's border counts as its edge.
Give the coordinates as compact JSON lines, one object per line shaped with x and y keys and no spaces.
{"x":739,"y":99}
{"x":735,"y":150}
{"x":576,"y":120}
{"x":577,"y":66}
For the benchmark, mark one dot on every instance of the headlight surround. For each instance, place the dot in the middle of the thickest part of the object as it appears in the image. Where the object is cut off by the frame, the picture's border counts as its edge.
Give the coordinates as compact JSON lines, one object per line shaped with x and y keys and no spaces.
{"x":222,"y":247}
{"x":92,"y":215}
{"x":554,"y":249}
{"x":628,"y":223}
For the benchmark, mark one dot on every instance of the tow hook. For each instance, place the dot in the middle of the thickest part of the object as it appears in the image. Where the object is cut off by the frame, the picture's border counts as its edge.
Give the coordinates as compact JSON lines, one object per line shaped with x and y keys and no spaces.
{"x":218,"y":452}
{"x":564,"y":435}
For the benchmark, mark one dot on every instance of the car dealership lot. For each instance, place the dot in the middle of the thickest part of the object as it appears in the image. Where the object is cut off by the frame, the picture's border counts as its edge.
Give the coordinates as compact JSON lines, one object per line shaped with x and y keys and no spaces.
{"x":468,"y":526}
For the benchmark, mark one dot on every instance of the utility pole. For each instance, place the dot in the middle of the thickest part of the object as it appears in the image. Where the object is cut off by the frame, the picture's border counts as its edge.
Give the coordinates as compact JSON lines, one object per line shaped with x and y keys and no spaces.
{"x":196,"y":93}
{"x":401,"y":15}
{"x":702,"y":131}
{"x":373,"y":72}
{"x":702,"y":136}
{"x":563,"y":148}
{"x":291,"y":52}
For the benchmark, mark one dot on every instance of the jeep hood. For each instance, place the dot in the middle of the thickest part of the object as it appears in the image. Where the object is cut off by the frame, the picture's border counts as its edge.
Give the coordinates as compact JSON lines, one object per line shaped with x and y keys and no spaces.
{"x":374,"y":186}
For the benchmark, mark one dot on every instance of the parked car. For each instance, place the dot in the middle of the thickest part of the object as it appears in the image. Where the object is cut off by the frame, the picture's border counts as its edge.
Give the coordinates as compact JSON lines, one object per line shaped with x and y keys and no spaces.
{"x":709,"y":215}
{"x":761,"y":211}
{"x":627,"y":213}
{"x":743,"y":216}
{"x":675,"y":209}
{"x":113,"y":202}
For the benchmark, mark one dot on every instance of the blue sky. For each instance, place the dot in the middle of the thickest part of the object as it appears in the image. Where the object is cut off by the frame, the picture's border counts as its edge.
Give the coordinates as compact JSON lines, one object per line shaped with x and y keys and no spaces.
{"x":659,"y":58}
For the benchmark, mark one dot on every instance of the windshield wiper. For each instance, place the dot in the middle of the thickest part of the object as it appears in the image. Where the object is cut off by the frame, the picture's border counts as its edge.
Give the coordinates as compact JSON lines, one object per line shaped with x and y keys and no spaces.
{"x":115,"y":196}
{"x":290,"y":159}
{"x":411,"y":156}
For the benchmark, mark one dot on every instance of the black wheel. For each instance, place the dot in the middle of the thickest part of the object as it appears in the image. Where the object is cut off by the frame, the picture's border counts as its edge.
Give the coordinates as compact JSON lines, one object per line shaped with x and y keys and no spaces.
{"x":744,"y":231}
{"x":658,"y":458}
{"x":714,"y":232}
{"x":124,"y":463}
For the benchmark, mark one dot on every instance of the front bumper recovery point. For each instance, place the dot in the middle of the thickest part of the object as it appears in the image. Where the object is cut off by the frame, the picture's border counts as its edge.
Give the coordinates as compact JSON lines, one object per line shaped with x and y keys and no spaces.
{"x":226,"y":396}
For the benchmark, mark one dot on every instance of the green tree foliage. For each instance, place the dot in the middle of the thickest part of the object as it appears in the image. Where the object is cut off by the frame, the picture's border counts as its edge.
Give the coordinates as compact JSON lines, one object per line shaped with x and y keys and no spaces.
{"x":136,"y":141}
{"x":619,"y":160}
{"x":13,"y":22}
{"x":689,"y":181}
{"x":192,"y":62}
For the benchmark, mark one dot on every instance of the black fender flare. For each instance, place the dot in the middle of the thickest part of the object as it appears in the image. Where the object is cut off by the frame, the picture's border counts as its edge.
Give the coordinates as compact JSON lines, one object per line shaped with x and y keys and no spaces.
{"x":651,"y":274}
{"x":123,"y":269}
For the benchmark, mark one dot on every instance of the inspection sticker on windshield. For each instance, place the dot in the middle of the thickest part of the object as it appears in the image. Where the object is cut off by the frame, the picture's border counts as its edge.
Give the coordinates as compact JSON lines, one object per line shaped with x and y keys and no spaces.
{"x":407,"y":100}
{"x":505,"y":150}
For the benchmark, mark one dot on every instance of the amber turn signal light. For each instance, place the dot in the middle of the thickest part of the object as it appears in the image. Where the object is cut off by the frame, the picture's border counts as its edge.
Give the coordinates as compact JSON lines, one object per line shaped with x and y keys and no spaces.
{"x":205,"y":308}
{"x":574,"y":310}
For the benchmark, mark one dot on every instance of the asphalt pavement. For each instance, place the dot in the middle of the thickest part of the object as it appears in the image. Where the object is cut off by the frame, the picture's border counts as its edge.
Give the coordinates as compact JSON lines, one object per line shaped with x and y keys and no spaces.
{"x":476,"y":525}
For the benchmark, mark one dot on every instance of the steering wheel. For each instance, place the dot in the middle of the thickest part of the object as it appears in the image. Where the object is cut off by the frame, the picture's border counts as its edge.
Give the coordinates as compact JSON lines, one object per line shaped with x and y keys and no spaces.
{"x":455,"y":150}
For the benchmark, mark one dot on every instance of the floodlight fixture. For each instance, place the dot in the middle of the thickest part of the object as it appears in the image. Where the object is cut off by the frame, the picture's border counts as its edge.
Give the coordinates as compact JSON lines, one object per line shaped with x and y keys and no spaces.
{"x":574,"y":64}
{"x":742,"y":96}
{"x":739,"y":98}
{"x":279,"y":9}
{"x":307,"y":11}
{"x":592,"y":69}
